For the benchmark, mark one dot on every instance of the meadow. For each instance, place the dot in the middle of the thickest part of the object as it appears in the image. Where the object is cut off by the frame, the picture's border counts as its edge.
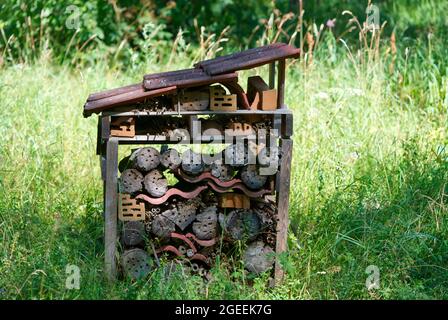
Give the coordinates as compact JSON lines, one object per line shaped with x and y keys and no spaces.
{"x":369,"y":180}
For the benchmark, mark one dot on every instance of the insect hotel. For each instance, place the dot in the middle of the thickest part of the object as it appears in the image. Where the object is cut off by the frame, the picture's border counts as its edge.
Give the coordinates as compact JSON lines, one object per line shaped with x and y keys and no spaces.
{"x":167,"y":201}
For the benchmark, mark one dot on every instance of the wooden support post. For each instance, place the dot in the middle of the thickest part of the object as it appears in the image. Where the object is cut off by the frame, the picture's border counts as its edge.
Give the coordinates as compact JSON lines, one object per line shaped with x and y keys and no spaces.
{"x":281,"y":84}
{"x":272,"y":75}
{"x":195,"y":130}
{"x":288,"y":125}
{"x":283,"y":204}
{"x":110,"y":209}
{"x":277,"y":126}
{"x":103,"y":137}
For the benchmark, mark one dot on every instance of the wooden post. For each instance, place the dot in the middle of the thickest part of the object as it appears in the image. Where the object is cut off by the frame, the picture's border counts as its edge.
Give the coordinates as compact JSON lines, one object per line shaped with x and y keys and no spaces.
{"x":272,"y":75}
{"x":110,"y":208}
{"x":284,"y":176}
{"x":103,"y":137}
{"x":281,"y":84}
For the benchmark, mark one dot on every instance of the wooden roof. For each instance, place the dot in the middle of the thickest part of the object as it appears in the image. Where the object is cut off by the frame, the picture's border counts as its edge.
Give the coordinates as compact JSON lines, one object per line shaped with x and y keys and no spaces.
{"x":248,"y":59}
{"x":184,"y":79}
{"x":219,"y":70}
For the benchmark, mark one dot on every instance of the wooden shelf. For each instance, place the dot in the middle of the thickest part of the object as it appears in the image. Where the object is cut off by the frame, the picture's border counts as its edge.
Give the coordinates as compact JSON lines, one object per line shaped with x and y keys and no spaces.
{"x":141,"y":113}
{"x":160,"y":139}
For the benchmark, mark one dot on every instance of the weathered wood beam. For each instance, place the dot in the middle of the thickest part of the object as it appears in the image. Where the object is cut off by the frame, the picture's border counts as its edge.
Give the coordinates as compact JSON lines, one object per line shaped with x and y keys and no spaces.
{"x":110,"y":209}
{"x":124,"y":99}
{"x":283,"y":205}
{"x":114,"y":92}
{"x":281,"y":84}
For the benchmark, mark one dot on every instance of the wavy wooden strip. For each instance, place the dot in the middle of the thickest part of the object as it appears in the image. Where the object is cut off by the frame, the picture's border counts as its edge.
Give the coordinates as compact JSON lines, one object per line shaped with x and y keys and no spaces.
{"x":169,"y":248}
{"x":241,"y":187}
{"x":171,"y":192}
{"x":203,"y":177}
{"x":179,"y":236}
{"x":203,"y":243}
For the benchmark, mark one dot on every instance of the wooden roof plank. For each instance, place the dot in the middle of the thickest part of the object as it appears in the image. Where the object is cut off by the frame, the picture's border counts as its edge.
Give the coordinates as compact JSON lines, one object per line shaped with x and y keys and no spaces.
{"x":251,"y":60}
{"x":186,"y":81}
{"x":114,"y":92}
{"x":220,"y":59}
{"x":124,"y":99}
{"x":219,"y":70}
{"x":171,"y":73}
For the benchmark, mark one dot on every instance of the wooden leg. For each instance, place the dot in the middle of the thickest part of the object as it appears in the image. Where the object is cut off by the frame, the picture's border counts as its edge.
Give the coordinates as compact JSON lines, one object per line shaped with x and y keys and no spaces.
{"x":272,"y":75}
{"x":284,"y":177}
{"x":281,"y":84}
{"x":110,"y":217}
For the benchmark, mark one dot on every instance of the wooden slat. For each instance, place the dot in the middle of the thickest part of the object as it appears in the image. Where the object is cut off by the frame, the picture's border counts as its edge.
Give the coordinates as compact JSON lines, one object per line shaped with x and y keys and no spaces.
{"x":110,"y":209}
{"x":281,"y":84}
{"x":272,"y":75}
{"x":238,"y":55}
{"x":114,"y":92}
{"x":288,"y":125}
{"x":252,"y":60}
{"x":143,"y":113}
{"x":170,"y":73}
{"x":124,"y":99}
{"x":187,"y":80}
{"x":283,"y":205}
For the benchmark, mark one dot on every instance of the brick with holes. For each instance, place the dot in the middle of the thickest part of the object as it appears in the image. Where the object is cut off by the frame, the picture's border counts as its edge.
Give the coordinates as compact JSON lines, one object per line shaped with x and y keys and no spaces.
{"x":129,"y":209}
{"x":220,"y":101}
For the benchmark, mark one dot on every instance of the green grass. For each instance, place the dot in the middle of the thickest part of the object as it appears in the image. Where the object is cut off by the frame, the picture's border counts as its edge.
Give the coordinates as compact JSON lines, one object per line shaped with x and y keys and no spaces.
{"x":369,"y":183}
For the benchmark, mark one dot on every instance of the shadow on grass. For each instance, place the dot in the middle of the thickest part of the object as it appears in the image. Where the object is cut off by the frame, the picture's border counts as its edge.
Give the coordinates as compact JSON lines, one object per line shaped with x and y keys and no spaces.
{"x":394,"y":216}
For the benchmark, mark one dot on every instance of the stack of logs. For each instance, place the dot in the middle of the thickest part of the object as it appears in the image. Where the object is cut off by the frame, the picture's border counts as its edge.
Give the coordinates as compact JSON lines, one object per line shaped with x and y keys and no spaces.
{"x":178,"y":206}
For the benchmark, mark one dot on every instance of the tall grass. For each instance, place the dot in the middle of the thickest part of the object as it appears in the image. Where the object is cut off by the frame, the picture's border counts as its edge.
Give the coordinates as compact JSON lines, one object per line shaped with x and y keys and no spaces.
{"x":370,"y":173}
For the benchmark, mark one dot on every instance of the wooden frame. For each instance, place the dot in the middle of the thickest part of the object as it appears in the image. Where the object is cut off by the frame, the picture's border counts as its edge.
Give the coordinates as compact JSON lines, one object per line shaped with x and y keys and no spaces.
{"x":107,"y":148}
{"x":109,"y":163}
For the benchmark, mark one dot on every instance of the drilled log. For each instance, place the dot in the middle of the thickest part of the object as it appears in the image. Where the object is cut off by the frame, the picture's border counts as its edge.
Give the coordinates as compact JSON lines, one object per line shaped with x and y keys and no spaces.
{"x":251,"y":178}
{"x":184,"y":214}
{"x":223,"y":172}
{"x":269,"y":157}
{"x":146,"y":159}
{"x":162,"y":227}
{"x":192,"y":162}
{"x":131,"y":181}
{"x":133,"y":233}
{"x":195,"y":99}
{"x":206,"y":225}
{"x":242,"y":225}
{"x":258,"y":257}
{"x":170,"y":159}
{"x":155,"y":183}
{"x":136,"y":263}
{"x":236,"y":155}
